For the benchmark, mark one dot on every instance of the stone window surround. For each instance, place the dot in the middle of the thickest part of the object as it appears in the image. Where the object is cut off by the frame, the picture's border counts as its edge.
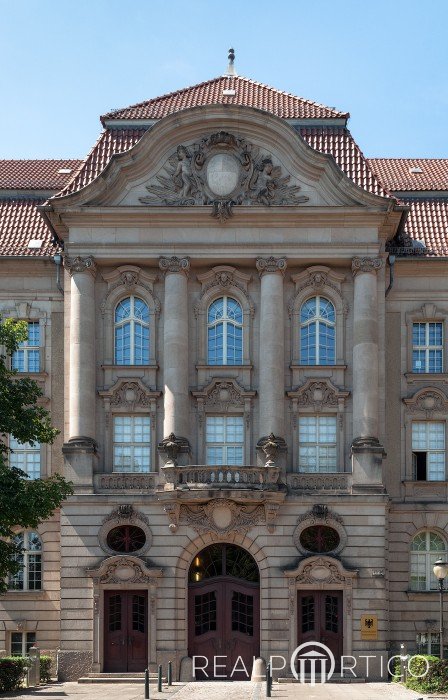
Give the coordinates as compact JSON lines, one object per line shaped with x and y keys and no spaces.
{"x":418,"y":530}
{"x":129,"y":397}
{"x":330,"y":401}
{"x":427,"y":404}
{"x":223,"y":397}
{"x":30,"y":592}
{"x":223,"y":280}
{"x":118,"y":518}
{"x":318,"y":280}
{"x":310,"y":519}
{"x":427,"y":313}
{"x":123,"y":282}
{"x":29,"y":312}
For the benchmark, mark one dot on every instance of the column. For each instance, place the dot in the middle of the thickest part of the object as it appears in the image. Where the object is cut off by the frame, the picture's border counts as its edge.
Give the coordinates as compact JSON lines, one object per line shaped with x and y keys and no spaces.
{"x":82,"y":348}
{"x":175,"y":347}
{"x":272,"y":351}
{"x":366,"y":450}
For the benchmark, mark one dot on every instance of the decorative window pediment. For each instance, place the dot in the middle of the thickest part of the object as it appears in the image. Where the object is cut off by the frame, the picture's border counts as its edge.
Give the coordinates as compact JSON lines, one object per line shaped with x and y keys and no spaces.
{"x":318,"y":395}
{"x":124,"y":570}
{"x":319,"y":571}
{"x":130,"y":396}
{"x":427,"y":402}
{"x":224,"y":395}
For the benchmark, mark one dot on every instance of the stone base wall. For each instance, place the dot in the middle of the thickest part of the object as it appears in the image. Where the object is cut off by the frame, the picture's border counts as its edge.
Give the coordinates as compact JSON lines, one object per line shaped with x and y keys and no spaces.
{"x":74,"y":664}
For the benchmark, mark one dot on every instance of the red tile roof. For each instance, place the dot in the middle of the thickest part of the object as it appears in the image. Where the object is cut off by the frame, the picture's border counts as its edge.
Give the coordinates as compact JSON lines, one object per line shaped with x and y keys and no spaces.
{"x":110,"y":142}
{"x":396,"y":175}
{"x":35,"y":174}
{"x":248,"y":93}
{"x":427,"y":223}
{"x":338,"y":142}
{"x":19,"y":223}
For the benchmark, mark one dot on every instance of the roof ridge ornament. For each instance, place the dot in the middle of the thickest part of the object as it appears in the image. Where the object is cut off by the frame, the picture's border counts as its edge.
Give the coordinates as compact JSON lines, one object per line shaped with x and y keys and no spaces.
{"x":231,"y":68}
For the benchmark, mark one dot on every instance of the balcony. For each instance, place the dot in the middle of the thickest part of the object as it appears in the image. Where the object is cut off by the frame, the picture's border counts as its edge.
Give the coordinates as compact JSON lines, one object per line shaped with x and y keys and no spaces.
{"x":221,"y":477}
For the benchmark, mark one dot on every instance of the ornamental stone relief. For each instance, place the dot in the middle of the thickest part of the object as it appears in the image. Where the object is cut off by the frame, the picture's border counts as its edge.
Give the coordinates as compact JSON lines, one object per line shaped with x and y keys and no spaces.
{"x":125,"y":570}
{"x":366,"y":265}
{"x":124,"y":515}
{"x":428,"y":402}
{"x":320,"y":515}
{"x":318,"y":395}
{"x":221,"y":517}
{"x":77,"y":265}
{"x":175,"y":264}
{"x":222,"y":170}
{"x":320,"y":571}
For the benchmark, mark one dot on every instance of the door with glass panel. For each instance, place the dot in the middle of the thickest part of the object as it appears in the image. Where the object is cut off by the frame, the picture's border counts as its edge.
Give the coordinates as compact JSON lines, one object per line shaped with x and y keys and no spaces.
{"x":320,"y":620}
{"x":125,"y":631}
{"x":224,"y":614}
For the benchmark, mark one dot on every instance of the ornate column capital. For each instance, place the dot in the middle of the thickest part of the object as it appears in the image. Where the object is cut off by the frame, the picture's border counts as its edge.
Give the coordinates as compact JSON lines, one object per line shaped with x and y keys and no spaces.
{"x":271,"y":264}
{"x":79,"y":265}
{"x":174,"y":264}
{"x":366,"y":265}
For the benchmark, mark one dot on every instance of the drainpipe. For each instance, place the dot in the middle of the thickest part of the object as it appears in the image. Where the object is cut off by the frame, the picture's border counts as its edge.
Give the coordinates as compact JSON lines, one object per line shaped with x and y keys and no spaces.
{"x":391,"y":261}
{"x":57,"y":259}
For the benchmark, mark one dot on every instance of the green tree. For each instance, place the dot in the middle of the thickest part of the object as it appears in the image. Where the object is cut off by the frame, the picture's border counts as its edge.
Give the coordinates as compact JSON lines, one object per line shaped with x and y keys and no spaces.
{"x":23,"y":502}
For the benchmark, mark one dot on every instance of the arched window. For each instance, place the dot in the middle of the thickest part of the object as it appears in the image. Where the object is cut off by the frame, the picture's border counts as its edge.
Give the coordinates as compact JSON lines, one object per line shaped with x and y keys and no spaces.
{"x":29,"y":577}
{"x":317,"y":332}
{"x":132,"y":332}
{"x":225,"y":332}
{"x":426,"y":548}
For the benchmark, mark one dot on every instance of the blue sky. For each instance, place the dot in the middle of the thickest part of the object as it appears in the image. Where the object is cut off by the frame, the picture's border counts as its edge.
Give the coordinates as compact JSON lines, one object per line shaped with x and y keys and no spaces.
{"x":65,"y":62}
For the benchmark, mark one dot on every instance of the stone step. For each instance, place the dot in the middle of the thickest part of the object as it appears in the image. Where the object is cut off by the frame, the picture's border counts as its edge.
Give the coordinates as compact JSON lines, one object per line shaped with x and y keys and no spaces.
{"x":119,"y":678}
{"x":336,"y":678}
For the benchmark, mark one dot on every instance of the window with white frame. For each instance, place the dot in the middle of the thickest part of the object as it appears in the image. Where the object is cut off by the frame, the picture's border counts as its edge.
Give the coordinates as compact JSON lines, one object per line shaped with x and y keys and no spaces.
{"x":225,"y":332}
{"x":428,"y":643}
{"x":131,"y":332}
{"x":428,"y":450}
{"x":224,"y":440}
{"x":132,"y":444}
{"x":317,"y":444}
{"x":317,"y":332}
{"x":25,"y":456}
{"x":426,"y":548}
{"x":27,"y":356}
{"x":21,"y":643}
{"x":427,"y":347}
{"x":29,"y":577}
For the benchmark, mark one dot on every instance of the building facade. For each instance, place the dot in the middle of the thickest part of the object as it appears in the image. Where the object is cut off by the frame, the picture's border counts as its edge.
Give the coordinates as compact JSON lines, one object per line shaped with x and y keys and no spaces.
{"x":238,"y":323}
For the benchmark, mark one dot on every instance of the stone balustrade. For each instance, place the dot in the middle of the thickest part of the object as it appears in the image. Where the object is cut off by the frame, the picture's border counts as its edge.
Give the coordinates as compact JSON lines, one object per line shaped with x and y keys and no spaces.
{"x":219,"y":477}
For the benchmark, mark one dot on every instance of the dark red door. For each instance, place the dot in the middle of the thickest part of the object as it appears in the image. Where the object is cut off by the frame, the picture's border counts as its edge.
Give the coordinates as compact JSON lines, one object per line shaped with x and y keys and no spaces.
{"x":224,"y":627}
{"x":320,"y":620}
{"x":125,"y":631}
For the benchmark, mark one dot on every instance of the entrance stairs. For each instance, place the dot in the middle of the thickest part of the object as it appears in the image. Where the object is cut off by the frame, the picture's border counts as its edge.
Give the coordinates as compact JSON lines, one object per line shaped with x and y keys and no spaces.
{"x":119,"y":678}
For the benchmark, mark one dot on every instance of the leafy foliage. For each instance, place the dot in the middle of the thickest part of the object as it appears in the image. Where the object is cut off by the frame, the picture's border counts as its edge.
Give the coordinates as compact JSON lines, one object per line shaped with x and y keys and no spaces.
{"x":12,"y":672}
{"x":45,"y":669}
{"x":23,"y":502}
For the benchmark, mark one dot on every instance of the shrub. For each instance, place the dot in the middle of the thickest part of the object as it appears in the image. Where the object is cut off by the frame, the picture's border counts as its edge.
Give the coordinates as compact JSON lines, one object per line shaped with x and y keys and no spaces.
{"x":12,"y":672}
{"x":434,"y":681}
{"x":45,"y":669}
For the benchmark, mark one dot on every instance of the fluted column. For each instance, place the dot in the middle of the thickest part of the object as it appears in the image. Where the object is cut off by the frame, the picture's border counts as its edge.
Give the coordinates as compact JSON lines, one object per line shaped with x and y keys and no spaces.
{"x":175,"y":346}
{"x":272,"y":352}
{"x":82,"y":348}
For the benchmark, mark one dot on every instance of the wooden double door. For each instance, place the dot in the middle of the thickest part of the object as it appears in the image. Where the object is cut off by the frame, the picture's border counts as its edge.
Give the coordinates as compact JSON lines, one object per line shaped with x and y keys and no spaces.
{"x":224,"y":627}
{"x":125,"y":631}
{"x":320,"y":620}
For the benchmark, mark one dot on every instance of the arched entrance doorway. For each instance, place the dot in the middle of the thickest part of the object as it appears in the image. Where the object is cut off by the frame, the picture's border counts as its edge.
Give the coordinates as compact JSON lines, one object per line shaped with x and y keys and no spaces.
{"x":224,"y":612}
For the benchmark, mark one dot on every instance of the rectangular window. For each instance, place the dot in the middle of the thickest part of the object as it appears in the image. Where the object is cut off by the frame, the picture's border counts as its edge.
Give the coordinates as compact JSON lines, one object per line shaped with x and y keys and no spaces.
{"x":427,"y":347}
{"x":428,"y":450}
{"x":317,"y":444}
{"x":429,"y":643}
{"x":21,"y":643}
{"x":132,"y":444}
{"x":225,"y":440}
{"x":25,"y":457}
{"x":27,"y":357}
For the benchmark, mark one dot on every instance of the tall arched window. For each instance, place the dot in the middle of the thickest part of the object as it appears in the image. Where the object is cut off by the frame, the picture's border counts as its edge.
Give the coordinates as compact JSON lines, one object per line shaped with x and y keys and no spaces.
{"x":225,"y":332}
{"x":317,"y":332}
{"x":132,"y":332}
{"x":426,"y":548}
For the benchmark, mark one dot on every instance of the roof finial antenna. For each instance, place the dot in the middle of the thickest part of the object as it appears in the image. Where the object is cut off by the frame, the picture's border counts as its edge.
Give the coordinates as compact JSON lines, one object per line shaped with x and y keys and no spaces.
{"x":231,"y":67}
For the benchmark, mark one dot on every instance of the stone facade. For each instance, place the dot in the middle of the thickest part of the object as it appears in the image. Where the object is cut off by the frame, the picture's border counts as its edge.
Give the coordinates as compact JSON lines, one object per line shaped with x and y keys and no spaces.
{"x":270,"y":250}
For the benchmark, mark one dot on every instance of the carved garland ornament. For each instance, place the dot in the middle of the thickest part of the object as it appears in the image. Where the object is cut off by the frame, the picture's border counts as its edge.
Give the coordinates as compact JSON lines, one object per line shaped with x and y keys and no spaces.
{"x":221,"y":517}
{"x":222,"y":170}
